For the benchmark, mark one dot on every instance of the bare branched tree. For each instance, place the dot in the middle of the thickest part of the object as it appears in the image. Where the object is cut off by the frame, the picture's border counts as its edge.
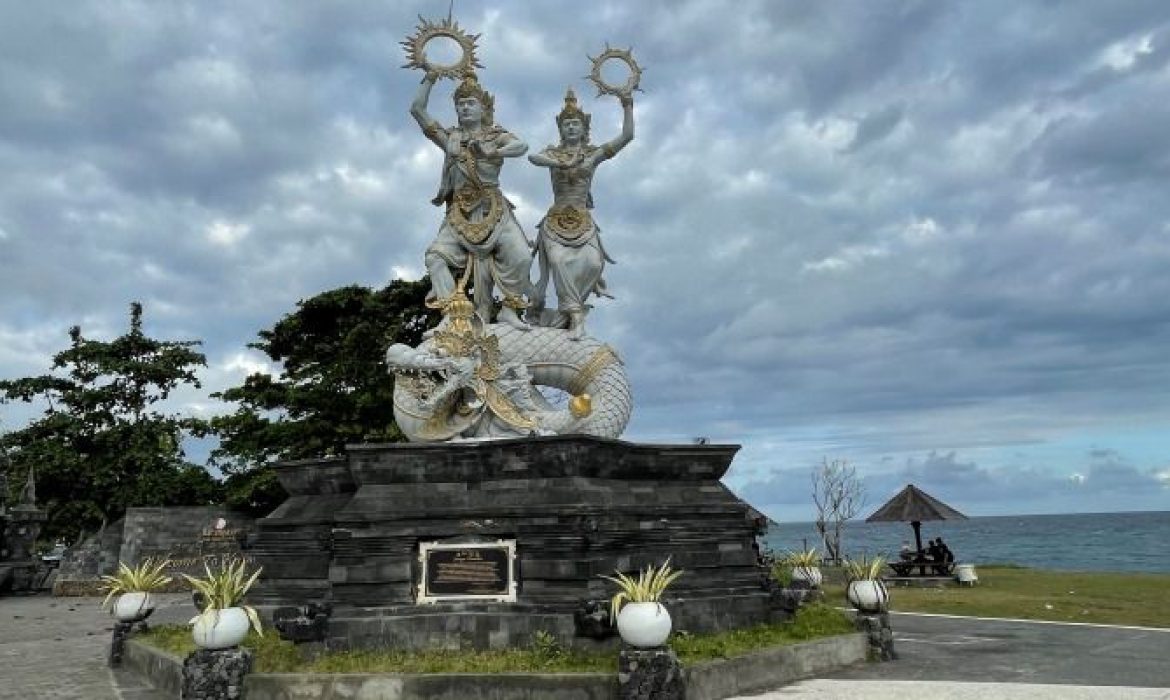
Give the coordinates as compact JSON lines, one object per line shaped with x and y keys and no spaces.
{"x":839,"y":495}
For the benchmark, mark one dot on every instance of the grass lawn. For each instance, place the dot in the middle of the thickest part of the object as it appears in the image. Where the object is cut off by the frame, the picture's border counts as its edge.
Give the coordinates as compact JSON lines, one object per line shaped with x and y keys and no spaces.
{"x":1035,"y":594}
{"x":544,"y":655}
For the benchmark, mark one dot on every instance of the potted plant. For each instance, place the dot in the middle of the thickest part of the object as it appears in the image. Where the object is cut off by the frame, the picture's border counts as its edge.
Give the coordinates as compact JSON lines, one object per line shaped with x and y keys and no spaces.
{"x":132,"y":586}
{"x":642,"y":620}
{"x":806,"y":566}
{"x":224,"y":621}
{"x":866,"y":591}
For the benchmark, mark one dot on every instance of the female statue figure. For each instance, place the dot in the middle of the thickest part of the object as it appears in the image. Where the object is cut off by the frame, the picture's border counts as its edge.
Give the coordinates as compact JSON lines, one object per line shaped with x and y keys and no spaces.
{"x":569,"y":242}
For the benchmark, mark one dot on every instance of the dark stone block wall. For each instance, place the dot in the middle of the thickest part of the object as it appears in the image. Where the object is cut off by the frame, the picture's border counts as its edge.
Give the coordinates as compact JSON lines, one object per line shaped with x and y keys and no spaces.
{"x":578,"y":507}
{"x":177,"y":533}
{"x":180,"y":531}
{"x":83,"y":564}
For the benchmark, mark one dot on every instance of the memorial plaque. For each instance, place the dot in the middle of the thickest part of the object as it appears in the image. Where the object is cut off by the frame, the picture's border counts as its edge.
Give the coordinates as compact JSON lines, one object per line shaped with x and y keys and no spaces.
{"x":467,"y":571}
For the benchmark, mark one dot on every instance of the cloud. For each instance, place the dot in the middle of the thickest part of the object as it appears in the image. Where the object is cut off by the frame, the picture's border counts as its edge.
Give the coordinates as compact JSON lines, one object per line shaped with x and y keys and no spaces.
{"x":841,"y":227}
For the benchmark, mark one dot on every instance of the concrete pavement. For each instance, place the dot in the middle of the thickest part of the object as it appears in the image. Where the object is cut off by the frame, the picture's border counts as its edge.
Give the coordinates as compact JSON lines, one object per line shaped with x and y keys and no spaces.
{"x":945,"y":690}
{"x":55,"y":648}
{"x":952,"y":657}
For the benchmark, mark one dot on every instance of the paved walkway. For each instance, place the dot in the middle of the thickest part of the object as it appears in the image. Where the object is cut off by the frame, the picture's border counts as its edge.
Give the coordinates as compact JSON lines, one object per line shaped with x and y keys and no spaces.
{"x":970,"y":658}
{"x":946,"y":690}
{"x":55,"y":648}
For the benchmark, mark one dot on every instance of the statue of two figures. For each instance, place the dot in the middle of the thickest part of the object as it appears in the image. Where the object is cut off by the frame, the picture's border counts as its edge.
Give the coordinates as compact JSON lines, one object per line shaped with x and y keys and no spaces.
{"x":476,"y":379}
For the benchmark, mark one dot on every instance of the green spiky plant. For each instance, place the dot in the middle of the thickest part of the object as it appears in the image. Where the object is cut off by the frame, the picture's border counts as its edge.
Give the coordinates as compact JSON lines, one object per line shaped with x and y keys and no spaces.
{"x":226,"y":588}
{"x":864,"y":568}
{"x":651,"y":583}
{"x":147,"y":576}
{"x":803,"y":559}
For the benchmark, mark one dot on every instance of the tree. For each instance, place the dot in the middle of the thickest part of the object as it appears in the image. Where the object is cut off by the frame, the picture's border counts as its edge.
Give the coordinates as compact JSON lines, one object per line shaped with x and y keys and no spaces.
{"x":101,"y":445}
{"x":839,"y":495}
{"x":333,"y":388}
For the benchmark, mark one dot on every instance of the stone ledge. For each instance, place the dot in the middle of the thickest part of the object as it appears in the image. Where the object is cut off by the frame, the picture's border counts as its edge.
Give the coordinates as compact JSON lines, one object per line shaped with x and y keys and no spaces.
{"x":714,"y":680}
{"x":773,"y":667}
{"x":77,"y":588}
{"x":162,"y":669}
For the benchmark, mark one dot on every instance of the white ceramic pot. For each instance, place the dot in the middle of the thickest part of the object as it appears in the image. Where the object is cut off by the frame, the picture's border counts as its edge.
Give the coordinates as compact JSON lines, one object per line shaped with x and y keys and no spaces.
{"x":644,"y":625}
{"x":133,"y":606}
{"x":220,"y":629}
{"x":809,"y":574}
{"x":965,"y":573}
{"x":868,"y":596}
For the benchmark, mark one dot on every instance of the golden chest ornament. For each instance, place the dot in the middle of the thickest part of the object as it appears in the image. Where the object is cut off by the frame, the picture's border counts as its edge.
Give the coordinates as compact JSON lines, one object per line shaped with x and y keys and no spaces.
{"x":466,"y":200}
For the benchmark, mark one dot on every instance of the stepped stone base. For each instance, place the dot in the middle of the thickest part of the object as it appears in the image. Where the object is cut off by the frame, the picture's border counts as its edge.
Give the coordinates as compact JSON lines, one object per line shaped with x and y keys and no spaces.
{"x":576,"y":507}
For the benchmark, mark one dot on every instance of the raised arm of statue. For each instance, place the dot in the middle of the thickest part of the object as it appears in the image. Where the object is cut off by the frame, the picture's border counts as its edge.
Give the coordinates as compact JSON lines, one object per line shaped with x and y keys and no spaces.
{"x":611,"y":148}
{"x":418,"y":109}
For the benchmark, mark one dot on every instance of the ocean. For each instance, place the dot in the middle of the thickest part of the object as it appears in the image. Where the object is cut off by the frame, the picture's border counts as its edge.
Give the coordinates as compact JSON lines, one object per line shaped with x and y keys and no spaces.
{"x":1134,"y":542}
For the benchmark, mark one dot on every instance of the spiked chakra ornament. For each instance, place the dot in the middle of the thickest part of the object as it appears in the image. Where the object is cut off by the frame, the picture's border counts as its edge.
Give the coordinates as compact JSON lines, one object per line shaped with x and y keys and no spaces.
{"x":427,"y":31}
{"x":626,"y":56}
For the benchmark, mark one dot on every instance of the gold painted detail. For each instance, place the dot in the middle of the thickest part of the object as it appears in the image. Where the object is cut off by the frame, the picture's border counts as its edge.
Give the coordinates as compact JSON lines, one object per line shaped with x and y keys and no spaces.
{"x":567,"y":154}
{"x":601,"y":359}
{"x":505,"y":410}
{"x":568,"y":221}
{"x":457,"y":309}
{"x":581,"y":406}
{"x":466,"y":201}
{"x":416,"y":48}
{"x":626,"y":56}
{"x":514,"y":302}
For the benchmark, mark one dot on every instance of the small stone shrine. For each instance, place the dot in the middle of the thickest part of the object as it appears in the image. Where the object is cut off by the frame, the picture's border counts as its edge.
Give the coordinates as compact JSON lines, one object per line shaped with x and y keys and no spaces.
{"x":514,"y":493}
{"x":20,"y":524}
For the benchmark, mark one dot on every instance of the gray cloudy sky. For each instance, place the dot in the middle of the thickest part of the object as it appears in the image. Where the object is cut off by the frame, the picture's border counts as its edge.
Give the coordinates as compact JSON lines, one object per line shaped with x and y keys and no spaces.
{"x":927,"y":237}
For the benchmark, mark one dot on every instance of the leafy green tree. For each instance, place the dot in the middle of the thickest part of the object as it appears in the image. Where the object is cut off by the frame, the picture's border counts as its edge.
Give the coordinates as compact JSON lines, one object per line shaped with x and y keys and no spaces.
{"x":333,"y":388}
{"x":101,"y":444}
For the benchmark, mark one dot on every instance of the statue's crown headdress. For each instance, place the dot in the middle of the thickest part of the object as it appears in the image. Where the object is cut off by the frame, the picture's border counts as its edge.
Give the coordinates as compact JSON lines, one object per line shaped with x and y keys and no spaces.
{"x":470,"y":87}
{"x":572,"y":111}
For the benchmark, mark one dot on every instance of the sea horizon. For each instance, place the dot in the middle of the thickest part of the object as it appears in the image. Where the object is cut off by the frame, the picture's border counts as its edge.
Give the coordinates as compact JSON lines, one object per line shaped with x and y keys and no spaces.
{"x":1130,"y":541}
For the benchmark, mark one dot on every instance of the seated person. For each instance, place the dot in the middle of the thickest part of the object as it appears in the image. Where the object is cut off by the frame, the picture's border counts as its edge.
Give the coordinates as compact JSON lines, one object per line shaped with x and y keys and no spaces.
{"x":905,"y":553}
{"x":932,"y":557}
{"x":948,"y":555}
{"x":940,"y":551}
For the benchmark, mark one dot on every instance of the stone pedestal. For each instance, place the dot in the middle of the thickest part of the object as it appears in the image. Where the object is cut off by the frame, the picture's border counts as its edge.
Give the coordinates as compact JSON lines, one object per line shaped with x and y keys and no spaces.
{"x":215,"y":674}
{"x":880,"y":635}
{"x":349,"y":535}
{"x":650,"y":674}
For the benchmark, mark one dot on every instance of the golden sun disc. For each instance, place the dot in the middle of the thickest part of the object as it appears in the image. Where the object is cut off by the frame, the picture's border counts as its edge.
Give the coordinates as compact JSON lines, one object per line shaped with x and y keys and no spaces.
{"x":427,"y":31}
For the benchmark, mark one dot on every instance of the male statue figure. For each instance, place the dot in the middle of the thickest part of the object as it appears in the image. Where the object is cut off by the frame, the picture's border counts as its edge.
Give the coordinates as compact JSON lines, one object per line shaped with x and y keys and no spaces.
{"x":479,"y":230}
{"x":569,"y":242}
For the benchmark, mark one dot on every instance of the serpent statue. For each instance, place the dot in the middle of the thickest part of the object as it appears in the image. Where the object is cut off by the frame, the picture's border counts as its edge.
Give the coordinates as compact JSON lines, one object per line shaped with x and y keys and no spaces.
{"x":482,"y":382}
